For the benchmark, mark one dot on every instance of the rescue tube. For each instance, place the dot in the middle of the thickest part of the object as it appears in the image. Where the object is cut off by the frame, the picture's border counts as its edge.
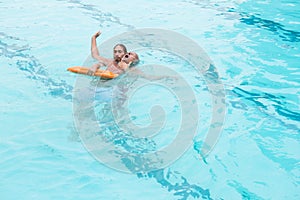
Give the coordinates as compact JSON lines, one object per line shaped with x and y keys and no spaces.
{"x":101,"y":73}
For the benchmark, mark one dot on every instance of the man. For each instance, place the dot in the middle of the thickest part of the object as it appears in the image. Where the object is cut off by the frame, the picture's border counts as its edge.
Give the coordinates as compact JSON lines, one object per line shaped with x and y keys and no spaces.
{"x":121,"y":61}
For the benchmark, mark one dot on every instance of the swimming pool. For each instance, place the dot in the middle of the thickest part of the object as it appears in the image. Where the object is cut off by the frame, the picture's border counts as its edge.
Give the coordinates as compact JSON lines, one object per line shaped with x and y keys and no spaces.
{"x":254,"y":47}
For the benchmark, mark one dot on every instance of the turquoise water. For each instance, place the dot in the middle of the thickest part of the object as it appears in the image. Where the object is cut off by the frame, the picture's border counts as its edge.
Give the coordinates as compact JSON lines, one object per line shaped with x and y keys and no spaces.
{"x":255,"y":48}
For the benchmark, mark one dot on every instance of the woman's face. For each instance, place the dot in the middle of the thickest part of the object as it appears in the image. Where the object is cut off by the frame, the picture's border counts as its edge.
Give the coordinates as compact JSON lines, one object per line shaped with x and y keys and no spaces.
{"x":130,"y":57}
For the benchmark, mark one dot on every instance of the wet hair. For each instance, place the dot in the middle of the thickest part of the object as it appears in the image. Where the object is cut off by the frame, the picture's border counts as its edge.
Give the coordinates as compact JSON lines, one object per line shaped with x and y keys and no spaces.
{"x":134,"y":63}
{"x":137,"y":56}
{"x":122,"y":46}
{"x":137,"y":60}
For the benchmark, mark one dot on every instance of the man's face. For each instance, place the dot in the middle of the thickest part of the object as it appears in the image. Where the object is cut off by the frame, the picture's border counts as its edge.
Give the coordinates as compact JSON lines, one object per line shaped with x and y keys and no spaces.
{"x":118,"y":53}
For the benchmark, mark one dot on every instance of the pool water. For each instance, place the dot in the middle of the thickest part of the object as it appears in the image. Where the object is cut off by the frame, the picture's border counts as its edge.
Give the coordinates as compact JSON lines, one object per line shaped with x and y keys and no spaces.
{"x":253,"y":44}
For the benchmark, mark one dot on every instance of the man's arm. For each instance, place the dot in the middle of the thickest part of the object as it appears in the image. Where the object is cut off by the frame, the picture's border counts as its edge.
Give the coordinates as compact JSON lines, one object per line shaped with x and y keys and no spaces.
{"x":94,"y":68}
{"x":95,"y":52}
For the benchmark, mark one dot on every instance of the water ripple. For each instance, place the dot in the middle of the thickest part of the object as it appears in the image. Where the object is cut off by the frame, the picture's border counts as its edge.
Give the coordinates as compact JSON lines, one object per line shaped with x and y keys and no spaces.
{"x":181,"y":188}
{"x":95,"y":13}
{"x":18,"y":56}
{"x":243,"y":191}
{"x":269,"y":25}
{"x":265,"y":101}
{"x":230,"y":11}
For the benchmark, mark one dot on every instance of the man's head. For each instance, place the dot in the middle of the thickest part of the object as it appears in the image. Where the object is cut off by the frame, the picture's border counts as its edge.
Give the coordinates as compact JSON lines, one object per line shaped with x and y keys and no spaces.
{"x":119,"y":51}
{"x":130,"y":57}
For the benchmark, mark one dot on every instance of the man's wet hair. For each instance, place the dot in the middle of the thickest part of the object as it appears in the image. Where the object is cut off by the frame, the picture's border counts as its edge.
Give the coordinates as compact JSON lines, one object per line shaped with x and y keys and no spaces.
{"x":122,"y":46}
